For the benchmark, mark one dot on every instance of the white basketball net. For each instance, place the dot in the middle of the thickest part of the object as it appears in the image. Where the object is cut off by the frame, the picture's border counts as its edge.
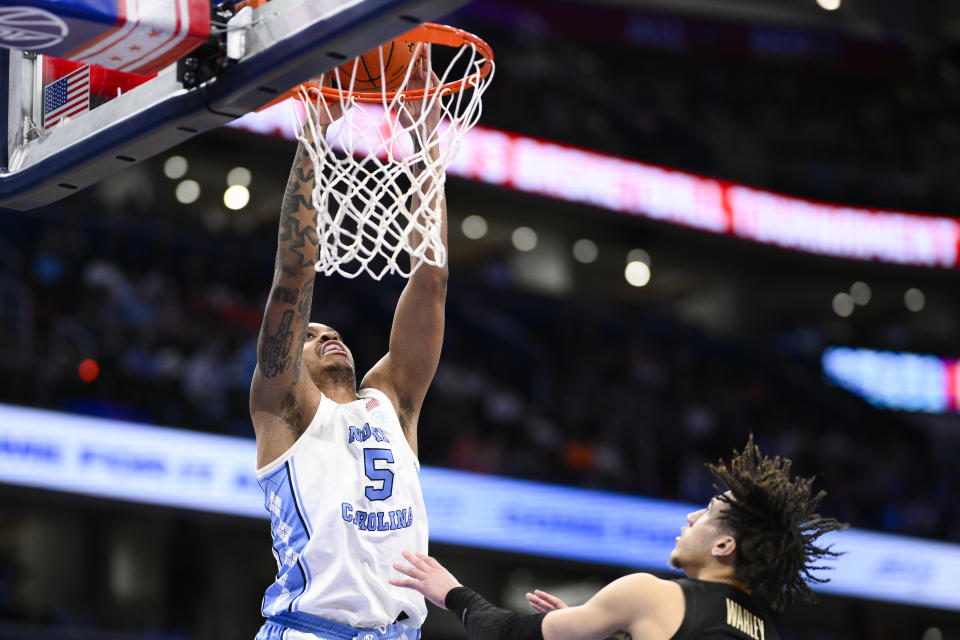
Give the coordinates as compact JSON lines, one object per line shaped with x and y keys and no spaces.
{"x":377,"y":190}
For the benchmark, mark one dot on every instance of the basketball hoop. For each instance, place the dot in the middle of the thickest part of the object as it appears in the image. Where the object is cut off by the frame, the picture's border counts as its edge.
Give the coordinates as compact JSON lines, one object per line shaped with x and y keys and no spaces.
{"x":380,"y":169}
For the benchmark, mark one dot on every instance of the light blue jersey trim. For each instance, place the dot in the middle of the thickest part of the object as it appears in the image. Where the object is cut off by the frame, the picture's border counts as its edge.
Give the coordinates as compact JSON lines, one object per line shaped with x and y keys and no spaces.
{"x":296,"y":495}
{"x":302,"y":512}
{"x":290,"y":534}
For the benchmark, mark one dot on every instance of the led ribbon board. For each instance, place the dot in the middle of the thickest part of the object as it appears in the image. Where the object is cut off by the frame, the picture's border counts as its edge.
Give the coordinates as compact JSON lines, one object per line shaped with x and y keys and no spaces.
{"x":891,"y":380}
{"x":635,"y":188}
{"x":155,"y":465}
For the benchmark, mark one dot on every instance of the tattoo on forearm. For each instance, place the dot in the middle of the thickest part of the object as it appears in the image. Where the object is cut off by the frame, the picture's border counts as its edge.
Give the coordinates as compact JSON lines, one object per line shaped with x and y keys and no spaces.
{"x":287,"y":295}
{"x":306,"y":301}
{"x":300,"y":236}
{"x":303,"y":318}
{"x":301,"y":242}
{"x":275,"y":355}
{"x":304,"y":175}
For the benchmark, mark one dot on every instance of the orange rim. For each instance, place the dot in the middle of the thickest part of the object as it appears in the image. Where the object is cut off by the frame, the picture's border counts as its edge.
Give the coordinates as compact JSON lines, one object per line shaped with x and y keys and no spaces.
{"x":428,"y":32}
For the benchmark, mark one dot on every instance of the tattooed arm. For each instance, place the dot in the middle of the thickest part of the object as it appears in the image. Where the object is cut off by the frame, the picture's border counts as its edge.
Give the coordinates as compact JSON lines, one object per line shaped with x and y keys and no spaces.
{"x":280,"y":397}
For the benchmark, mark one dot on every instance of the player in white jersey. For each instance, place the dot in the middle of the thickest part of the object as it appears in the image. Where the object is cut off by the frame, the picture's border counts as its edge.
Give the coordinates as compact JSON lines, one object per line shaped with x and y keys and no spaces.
{"x":338,"y":466}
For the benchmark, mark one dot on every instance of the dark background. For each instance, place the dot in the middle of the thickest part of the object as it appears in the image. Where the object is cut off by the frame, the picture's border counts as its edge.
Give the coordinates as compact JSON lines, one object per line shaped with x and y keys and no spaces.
{"x":593,"y":383}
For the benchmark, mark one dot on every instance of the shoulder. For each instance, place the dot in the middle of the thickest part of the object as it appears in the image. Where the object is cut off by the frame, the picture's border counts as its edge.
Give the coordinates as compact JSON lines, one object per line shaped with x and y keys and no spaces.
{"x":644,"y":592}
{"x":658,"y":605}
{"x":380,"y":393}
{"x":641,"y":581}
{"x":381,"y":382}
{"x":649,"y":588}
{"x":277,"y":428}
{"x":647,"y":582}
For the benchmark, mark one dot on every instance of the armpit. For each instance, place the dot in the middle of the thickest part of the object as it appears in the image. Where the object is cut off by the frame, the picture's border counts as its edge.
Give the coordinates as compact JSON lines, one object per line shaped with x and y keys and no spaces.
{"x":291,"y":413}
{"x":406,"y":414}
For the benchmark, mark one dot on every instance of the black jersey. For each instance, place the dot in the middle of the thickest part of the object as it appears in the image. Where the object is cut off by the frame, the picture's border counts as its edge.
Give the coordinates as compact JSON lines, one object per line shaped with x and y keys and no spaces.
{"x":717,"y":611}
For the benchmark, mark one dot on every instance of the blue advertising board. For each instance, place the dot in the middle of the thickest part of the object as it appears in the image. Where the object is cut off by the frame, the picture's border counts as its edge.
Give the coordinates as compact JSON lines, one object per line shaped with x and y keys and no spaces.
{"x":177,"y":468}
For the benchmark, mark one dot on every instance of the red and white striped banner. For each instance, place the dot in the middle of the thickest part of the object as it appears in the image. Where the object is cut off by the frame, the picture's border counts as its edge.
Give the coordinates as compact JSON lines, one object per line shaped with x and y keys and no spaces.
{"x":150,"y":35}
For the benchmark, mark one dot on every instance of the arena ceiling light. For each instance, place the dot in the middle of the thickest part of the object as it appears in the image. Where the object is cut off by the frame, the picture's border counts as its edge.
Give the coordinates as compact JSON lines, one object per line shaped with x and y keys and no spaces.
{"x":829,"y":5}
{"x":861,"y":293}
{"x":239,"y":176}
{"x":843,"y":304}
{"x":474,"y":227}
{"x":187,"y":192}
{"x":175,"y":167}
{"x":236,"y":197}
{"x":637,"y":273}
{"x":585,"y":251}
{"x":524,"y":239}
{"x":638,"y":255}
{"x":914,"y":299}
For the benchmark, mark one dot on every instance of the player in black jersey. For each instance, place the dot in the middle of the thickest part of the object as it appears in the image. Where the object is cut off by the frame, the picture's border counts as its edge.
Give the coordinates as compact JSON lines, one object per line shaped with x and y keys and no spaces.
{"x":752,"y":547}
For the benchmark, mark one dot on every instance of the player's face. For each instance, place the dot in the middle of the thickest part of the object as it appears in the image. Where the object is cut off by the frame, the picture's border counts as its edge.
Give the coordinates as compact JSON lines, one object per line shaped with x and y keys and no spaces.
{"x":324,"y":351}
{"x":696,"y":540}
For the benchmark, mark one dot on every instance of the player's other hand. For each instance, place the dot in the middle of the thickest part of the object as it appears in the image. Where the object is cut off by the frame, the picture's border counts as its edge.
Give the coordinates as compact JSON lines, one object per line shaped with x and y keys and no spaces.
{"x":428,"y":576}
{"x":330,"y":109}
{"x":425,"y":113}
{"x":543,"y":602}
{"x":324,"y":111}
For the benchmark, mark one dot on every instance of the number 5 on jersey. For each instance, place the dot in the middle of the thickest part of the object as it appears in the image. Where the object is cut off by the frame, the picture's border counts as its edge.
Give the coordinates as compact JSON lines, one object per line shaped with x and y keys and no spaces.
{"x":375,"y":473}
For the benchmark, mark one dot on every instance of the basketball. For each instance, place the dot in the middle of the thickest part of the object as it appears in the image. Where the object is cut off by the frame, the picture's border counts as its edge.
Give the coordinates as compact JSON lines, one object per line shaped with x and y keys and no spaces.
{"x":370,"y":75}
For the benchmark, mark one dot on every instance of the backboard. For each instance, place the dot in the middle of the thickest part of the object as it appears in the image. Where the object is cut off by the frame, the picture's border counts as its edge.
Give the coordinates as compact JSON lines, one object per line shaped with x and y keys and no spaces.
{"x":276,"y":46}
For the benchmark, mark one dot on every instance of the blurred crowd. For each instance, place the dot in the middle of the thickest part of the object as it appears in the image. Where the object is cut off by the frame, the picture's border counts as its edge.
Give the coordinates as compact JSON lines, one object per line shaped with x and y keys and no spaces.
{"x":561,"y":391}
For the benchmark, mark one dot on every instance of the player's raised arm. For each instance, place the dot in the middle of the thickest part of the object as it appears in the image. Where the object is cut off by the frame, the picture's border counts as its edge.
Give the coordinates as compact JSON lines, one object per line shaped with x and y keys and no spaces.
{"x":284,"y":327}
{"x":278,"y":390}
{"x":416,"y":336}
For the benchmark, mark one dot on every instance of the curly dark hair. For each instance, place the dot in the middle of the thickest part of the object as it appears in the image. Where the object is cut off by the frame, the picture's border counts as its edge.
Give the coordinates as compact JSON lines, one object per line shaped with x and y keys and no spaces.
{"x":772,"y":517}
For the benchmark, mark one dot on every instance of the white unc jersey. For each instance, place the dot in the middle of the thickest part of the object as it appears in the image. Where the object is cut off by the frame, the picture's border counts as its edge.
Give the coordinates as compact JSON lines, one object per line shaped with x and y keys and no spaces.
{"x":344,"y":501}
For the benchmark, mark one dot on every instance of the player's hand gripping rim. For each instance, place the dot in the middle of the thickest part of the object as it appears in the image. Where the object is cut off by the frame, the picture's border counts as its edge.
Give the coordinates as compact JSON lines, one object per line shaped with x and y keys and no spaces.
{"x":428,"y":576}
{"x":324,"y":112}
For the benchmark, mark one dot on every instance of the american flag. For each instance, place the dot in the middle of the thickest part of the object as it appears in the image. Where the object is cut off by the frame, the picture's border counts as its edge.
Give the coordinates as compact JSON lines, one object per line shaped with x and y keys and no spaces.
{"x":68,"y":96}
